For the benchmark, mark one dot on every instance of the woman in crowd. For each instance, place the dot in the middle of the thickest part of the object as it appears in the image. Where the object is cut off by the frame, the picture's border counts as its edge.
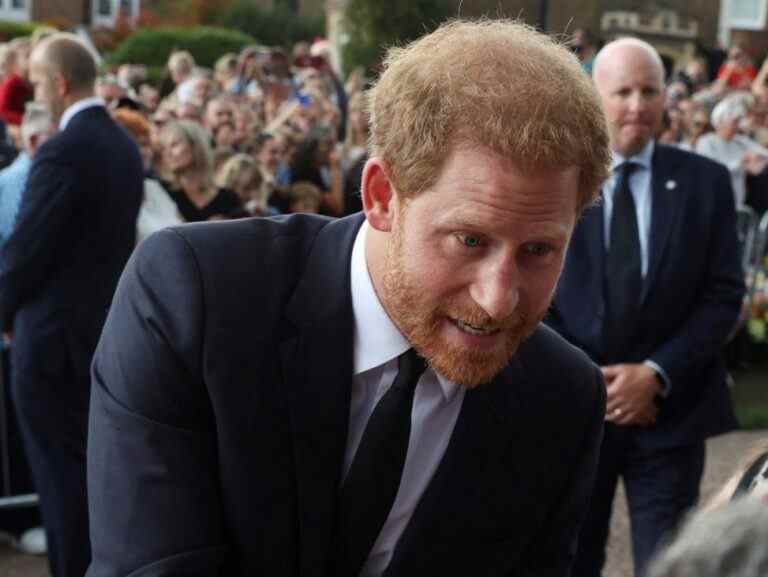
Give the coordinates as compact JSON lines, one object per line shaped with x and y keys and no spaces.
{"x":739,"y":153}
{"x":187,"y":172}
{"x":157,"y":209}
{"x":241,"y":174}
{"x":696,"y":125}
{"x":317,"y":162}
{"x":304,"y":197}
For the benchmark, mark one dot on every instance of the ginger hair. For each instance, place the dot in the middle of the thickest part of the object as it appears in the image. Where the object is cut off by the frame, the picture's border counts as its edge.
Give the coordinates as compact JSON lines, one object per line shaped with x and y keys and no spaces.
{"x":497,"y":84}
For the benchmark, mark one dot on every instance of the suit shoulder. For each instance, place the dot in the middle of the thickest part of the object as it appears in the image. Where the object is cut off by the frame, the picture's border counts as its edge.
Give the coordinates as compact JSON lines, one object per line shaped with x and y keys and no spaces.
{"x":546,"y":355}
{"x":690,"y":160}
{"x":251,"y":249}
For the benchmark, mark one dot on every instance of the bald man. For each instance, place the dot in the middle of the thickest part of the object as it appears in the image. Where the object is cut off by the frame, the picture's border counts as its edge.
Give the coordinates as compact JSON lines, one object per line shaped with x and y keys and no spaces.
{"x":650,"y":289}
{"x":58,"y":270}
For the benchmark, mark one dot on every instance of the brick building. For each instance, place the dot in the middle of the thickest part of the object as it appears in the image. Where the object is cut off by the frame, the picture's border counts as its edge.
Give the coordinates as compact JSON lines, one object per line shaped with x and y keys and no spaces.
{"x":86,"y":12}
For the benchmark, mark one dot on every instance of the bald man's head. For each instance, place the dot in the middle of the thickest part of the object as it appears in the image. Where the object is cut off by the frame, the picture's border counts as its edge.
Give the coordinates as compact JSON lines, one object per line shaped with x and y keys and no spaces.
{"x":63,"y":71}
{"x":629,"y":77}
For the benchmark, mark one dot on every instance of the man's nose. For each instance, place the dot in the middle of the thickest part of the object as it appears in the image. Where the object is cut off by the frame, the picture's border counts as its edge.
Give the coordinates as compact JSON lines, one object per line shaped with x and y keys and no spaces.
{"x":496,"y":290}
{"x":636,"y":102}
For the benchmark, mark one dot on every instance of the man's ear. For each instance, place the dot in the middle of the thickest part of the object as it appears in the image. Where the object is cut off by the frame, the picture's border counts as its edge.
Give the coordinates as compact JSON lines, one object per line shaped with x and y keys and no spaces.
{"x":378,"y":195}
{"x":60,"y":84}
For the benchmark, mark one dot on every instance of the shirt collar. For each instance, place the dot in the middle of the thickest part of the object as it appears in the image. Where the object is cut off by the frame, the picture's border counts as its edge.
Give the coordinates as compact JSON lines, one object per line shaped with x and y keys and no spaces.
{"x":643,"y":158}
{"x":77,"y":107}
{"x":376,"y":339}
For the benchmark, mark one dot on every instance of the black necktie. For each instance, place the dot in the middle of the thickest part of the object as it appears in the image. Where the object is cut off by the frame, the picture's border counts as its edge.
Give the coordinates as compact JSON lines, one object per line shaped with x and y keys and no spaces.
{"x":374,"y":477}
{"x":623,"y":270}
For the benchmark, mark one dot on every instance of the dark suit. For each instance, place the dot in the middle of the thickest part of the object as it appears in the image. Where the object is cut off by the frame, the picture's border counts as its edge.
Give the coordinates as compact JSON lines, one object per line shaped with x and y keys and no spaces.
{"x":690,"y":300}
{"x":219,"y":410}
{"x":58,"y":271}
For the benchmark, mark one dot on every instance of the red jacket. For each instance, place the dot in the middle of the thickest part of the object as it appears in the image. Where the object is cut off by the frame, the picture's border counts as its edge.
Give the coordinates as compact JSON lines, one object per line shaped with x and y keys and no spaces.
{"x":14,"y":93}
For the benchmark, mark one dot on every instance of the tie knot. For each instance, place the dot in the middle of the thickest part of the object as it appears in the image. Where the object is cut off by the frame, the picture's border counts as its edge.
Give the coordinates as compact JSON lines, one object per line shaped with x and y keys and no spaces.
{"x":410,"y":368}
{"x":626,"y":168}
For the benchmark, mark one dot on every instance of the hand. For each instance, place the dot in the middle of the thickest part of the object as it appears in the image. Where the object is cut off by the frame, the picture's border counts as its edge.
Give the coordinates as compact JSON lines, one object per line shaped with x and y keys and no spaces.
{"x":7,"y":338}
{"x":631,"y":390}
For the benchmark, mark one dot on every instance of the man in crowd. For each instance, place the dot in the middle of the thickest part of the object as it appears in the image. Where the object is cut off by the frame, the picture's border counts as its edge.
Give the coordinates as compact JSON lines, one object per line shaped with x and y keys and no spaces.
{"x":58,"y":270}
{"x":36,"y":127}
{"x":651,"y":288}
{"x":372,"y":395}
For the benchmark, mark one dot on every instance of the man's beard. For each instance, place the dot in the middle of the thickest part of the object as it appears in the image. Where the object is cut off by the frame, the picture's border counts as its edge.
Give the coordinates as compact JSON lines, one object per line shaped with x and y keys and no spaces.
{"x":422,"y":322}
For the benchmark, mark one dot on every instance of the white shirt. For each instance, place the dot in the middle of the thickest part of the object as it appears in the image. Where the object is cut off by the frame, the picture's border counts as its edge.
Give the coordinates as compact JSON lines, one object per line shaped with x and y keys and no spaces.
{"x":436,"y":406}
{"x":78,"y":107}
{"x":640,"y":185}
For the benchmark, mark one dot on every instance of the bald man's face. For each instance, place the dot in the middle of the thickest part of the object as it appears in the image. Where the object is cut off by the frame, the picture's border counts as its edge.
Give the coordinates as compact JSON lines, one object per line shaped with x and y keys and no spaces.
{"x":631,"y":87}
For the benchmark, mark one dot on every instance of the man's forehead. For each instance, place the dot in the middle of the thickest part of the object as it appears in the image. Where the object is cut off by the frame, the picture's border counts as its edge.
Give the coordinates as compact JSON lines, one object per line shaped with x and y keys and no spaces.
{"x":624,"y":59}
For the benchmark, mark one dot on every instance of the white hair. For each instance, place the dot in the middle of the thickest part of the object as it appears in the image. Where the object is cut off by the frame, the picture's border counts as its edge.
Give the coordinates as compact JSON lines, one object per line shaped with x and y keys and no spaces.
{"x":732,"y":107}
{"x":729,"y":541}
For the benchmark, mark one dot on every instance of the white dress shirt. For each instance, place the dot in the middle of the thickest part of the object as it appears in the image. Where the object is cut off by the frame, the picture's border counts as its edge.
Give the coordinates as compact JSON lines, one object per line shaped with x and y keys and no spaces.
{"x":78,"y":107}
{"x":436,"y":405}
{"x":640,"y":185}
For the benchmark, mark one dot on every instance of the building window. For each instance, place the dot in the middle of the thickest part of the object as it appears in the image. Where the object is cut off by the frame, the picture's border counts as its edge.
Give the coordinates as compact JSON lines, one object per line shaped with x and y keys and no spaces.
{"x":748,"y":14}
{"x":126,"y":8}
{"x":105,"y":8}
{"x":18,"y":4}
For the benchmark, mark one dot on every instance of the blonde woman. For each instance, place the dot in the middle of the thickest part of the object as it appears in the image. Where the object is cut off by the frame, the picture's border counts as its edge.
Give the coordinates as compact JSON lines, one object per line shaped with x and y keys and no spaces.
{"x":241,"y":174}
{"x":187,"y":173}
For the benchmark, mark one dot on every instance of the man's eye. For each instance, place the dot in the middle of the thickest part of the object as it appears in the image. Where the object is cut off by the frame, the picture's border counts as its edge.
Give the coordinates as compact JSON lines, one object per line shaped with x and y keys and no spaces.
{"x":470,"y":240}
{"x":538,"y":248}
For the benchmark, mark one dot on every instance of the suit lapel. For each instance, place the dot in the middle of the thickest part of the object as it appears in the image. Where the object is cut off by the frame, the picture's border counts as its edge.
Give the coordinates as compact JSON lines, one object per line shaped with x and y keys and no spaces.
{"x":665,"y":201}
{"x":317,"y":363}
{"x":483,"y":430}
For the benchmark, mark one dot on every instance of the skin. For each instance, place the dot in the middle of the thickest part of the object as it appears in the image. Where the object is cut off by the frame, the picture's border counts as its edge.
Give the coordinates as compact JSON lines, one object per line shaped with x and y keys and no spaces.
{"x":270,"y":154}
{"x":177,"y":153}
{"x":217,"y":113}
{"x":630,"y":83}
{"x":483,"y":245}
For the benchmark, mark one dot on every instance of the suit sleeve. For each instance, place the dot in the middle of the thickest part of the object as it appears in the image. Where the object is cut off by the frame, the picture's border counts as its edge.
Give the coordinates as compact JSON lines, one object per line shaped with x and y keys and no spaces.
{"x":153,"y":492}
{"x":714,"y":315}
{"x":46,"y":207}
{"x":554,"y":548}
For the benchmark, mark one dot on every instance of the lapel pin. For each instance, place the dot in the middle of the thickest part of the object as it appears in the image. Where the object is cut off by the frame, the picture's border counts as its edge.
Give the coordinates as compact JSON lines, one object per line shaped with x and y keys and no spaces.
{"x":670,"y":185}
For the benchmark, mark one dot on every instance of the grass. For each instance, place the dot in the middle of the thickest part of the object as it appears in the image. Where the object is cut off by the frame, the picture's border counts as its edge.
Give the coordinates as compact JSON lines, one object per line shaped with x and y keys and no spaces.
{"x":750,"y":395}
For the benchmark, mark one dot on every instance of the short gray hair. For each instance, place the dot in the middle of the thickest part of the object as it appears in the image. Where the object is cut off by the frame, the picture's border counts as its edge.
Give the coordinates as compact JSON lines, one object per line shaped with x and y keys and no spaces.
{"x":732,"y":107}
{"x":725,"y":542}
{"x":37,"y":119}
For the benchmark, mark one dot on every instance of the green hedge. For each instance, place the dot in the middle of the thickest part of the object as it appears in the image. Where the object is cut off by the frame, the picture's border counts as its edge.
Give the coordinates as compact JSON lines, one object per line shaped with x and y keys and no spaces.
{"x":10,"y":30}
{"x":277,"y":27}
{"x":152,"y":46}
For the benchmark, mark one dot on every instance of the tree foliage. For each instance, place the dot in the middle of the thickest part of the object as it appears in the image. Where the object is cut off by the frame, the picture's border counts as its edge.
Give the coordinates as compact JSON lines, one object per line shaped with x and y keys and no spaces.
{"x":277,"y":27}
{"x":152,"y":46}
{"x":10,"y":30}
{"x":372,"y":26}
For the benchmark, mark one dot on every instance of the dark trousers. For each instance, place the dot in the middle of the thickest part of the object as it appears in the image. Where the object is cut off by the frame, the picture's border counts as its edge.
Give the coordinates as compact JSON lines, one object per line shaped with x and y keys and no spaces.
{"x":661,"y":485}
{"x":18,"y":519}
{"x":48,"y":399}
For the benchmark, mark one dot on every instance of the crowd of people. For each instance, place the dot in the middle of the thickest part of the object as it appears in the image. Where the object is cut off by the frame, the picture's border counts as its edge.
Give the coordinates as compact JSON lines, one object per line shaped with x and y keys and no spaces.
{"x":268,"y":131}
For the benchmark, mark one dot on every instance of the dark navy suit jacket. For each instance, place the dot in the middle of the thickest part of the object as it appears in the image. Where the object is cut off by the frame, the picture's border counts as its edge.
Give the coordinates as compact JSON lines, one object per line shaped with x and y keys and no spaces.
{"x":59,"y":268}
{"x":219,"y":414}
{"x":691,"y":296}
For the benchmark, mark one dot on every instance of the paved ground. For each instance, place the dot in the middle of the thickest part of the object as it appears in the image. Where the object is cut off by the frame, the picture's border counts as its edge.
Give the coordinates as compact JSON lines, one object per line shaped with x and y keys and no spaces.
{"x":723,"y":455}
